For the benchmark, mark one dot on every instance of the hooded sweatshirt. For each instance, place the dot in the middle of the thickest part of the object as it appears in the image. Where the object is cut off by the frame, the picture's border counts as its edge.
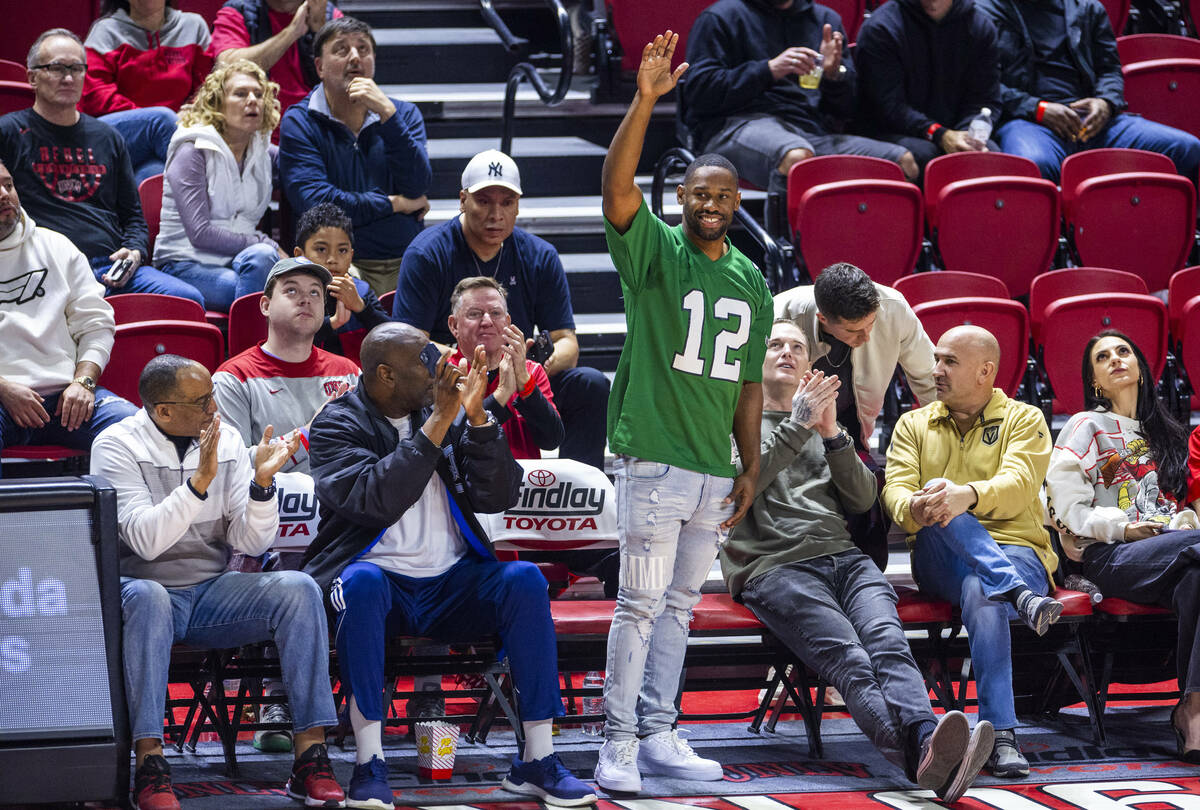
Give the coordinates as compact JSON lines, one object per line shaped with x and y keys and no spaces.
{"x":728,"y":50}
{"x":222,"y":206}
{"x":914,"y":72}
{"x":130,"y":67}
{"x":52,"y":310}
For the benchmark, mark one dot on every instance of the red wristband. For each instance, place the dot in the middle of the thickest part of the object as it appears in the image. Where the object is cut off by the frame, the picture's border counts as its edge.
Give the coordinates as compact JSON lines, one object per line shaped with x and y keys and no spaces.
{"x":530,"y":384}
{"x":932,"y":130}
{"x":1041,"y":112}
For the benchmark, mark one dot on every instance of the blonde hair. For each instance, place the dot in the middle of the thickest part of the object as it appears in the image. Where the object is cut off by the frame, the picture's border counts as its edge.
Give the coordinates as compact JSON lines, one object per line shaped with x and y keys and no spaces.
{"x":207,"y":106}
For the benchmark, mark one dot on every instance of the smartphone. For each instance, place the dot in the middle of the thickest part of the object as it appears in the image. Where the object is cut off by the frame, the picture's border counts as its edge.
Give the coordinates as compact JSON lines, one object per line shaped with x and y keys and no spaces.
{"x":430,"y":357}
{"x":120,"y":271}
{"x":542,"y":348}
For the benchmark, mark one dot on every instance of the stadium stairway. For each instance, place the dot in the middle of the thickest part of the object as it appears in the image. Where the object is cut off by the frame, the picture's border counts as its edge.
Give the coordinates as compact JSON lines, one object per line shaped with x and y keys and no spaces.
{"x":444,"y":57}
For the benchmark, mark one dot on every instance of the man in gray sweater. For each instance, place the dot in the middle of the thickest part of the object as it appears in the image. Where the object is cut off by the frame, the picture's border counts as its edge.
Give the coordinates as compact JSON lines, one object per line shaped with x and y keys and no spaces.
{"x":792,"y":562}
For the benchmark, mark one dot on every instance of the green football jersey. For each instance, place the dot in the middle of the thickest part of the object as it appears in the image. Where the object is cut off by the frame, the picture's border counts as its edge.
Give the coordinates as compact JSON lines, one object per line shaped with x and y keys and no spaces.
{"x":696,"y":330}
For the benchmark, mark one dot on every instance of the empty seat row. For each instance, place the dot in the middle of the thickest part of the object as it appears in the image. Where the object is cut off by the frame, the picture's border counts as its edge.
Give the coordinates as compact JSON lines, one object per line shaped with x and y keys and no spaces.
{"x":994,"y":214}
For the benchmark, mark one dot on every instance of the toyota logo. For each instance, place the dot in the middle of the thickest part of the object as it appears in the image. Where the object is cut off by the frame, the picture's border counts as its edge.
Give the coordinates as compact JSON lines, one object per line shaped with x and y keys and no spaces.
{"x":541,"y":478}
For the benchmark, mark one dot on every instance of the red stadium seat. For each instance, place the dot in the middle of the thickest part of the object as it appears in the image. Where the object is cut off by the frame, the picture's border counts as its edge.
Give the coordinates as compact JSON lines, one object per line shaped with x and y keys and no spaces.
{"x":946,"y":169}
{"x":1056,"y":284}
{"x":1188,"y":338}
{"x":13,"y":72}
{"x":138,"y":343}
{"x":1148,"y":47}
{"x":858,"y":210}
{"x":205,"y":8}
{"x":1006,"y":319}
{"x":1095,"y":162}
{"x":1005,"y":227}
{"x":852,"y":13}
{"x":247,"y":324}
{"x":1071,"y":322}
{"x":386,"y":301}
{"x":1182,"y":287}
{"x":135,"y":307}
{"x":1118,"y":14}
{"x":637,"y":22}
{"x":1164,"y":90}
{"x":150,"y":194}
{"x":1137,"y":221}
{"x":15,"y":96}
{"x":921,"y":287}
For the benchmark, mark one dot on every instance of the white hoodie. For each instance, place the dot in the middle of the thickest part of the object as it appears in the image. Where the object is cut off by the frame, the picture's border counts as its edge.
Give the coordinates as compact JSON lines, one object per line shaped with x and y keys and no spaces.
{"x":52,"y":310}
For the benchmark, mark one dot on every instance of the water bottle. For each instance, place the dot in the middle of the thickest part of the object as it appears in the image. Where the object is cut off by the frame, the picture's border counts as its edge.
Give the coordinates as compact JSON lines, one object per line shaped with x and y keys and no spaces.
{"x":980,"y":127}
{"x":1076,"y":582}
{"x":593,"y":704}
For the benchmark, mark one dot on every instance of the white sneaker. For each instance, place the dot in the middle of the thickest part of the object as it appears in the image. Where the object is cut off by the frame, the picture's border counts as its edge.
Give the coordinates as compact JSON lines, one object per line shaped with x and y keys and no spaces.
{"x":666,"y":754}
{"x":617,"y":766}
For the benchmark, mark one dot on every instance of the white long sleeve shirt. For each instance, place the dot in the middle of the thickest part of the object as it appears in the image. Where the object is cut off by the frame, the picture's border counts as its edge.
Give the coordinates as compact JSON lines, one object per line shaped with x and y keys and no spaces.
{"x":168,"y":534}
{"x":52,"y":310}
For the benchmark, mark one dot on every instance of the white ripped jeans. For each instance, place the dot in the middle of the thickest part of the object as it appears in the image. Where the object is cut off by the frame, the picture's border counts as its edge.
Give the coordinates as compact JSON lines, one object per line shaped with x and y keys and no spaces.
{"x":668,"y":520}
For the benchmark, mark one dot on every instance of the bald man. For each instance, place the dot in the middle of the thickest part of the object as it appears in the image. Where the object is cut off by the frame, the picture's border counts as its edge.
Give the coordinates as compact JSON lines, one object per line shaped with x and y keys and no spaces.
{"x":963,"y":475}
{"x":401,"y":465}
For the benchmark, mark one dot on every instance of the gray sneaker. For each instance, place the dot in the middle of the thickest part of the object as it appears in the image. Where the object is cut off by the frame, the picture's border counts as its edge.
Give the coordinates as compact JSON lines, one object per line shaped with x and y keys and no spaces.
{"x":1038,"y":612}
{"x":275,"y":742}
{"x":424,"y":707}
{"x":1006,"y":761}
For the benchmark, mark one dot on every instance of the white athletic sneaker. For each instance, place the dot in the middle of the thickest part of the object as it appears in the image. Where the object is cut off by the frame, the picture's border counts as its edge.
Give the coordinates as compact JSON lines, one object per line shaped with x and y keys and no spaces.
{"x":617,"y":766}
{"x":666,"y":754}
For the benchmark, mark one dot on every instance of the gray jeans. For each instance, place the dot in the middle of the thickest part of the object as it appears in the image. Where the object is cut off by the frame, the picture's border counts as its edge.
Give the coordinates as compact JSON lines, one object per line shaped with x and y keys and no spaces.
{"x":757,"y":143}
{"x":837,"y":613}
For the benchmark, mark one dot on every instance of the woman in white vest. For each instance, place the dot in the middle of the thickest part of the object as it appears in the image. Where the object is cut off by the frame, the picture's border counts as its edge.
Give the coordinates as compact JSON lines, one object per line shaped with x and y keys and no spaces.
{"x":217,"y":186}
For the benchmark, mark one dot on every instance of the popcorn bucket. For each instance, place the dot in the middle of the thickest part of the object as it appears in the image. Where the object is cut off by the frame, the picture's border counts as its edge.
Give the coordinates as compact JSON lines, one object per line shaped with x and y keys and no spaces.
{"x":436,"y":744}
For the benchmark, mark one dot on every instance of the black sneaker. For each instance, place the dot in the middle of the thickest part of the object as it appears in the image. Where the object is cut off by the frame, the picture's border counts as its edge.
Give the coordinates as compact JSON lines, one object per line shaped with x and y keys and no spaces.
{"x":1007,"y":761}
{"x":152,"y":785}
{"x":1038,"y":612}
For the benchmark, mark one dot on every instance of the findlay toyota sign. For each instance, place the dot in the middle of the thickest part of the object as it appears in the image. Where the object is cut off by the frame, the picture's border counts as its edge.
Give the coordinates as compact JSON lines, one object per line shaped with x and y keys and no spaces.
{"x":562,"y":504}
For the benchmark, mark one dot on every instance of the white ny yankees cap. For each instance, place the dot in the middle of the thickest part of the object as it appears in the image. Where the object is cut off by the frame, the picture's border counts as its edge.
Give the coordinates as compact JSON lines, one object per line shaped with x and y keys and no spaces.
{"x":491,"y":168}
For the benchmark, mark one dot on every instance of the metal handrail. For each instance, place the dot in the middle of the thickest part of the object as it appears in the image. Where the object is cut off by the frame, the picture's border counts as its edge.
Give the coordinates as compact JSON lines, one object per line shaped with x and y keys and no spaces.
{"x":678,"y":158}
{"x":525,"y":71}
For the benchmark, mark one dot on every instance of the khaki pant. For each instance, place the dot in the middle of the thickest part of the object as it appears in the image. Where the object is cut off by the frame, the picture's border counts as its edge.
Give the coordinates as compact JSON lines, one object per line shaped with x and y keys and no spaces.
{"x":381,"y":274}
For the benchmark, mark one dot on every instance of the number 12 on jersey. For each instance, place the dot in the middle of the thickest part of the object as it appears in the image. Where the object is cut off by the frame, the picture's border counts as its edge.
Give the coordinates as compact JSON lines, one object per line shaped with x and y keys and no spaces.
{"x":727,"y":340}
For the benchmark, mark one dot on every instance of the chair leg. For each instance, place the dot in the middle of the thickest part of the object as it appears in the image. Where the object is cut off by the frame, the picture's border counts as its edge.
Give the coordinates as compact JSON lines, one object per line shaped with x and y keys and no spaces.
{"x":764,"y":705}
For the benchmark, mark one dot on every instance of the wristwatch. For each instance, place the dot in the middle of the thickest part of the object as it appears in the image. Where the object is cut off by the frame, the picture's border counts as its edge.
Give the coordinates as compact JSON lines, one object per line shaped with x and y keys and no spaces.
{"x":838,"y":442}
{"x":86,"y":382}
{"x":258,"y":493}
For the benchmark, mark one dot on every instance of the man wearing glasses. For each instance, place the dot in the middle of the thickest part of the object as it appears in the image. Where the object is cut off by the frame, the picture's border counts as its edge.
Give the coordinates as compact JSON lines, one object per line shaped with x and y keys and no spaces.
{"x":75,"y":174}
{"x":188,"y":496}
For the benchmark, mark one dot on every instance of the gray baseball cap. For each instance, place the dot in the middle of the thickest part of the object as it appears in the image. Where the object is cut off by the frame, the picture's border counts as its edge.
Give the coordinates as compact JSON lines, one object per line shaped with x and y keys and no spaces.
{"x":297,"y":264}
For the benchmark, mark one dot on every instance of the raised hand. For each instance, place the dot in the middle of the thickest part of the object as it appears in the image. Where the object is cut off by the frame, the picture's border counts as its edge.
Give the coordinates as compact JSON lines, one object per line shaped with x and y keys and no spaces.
{"x":271,"y":454}
{"x":831,"y":49}
{"x":813,"y":395}
{"x":506,"y":381}
{"x":206,"y":469}
{"x":474,"y":386}
{"x":515,"y":349}
{"x":364,"y":91}
{"x":655,"y":77}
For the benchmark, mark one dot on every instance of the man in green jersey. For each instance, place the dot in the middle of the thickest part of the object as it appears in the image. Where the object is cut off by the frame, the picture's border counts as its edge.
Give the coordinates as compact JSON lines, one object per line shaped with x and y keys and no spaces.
{"x":698,"y":314}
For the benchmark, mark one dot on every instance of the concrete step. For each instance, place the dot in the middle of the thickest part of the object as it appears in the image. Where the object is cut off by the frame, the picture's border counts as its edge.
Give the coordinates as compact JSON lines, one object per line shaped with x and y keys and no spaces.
{"x":595,"y":286}
{"x":550,"y":166}
{"x":448,"y":55}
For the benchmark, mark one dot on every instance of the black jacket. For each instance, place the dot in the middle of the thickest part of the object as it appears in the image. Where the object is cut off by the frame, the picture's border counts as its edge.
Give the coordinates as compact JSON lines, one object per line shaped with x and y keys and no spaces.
{"x":914,"y":72}
{"x":728,"y":50}
{"x":366,"y":478}
{"x":1090,"y":41}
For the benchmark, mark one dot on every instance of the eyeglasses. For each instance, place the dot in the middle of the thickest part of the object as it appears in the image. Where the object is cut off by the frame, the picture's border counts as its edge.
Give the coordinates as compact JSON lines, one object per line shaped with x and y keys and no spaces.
{"x":477,"y":314}
{"x":201,"y":403}
{"x":60,"y":71}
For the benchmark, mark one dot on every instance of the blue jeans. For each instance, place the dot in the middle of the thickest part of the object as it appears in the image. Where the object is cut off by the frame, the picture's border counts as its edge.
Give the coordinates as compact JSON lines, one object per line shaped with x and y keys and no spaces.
{"x":146,"y":279}
{"x":668,"y":524}
{"x":581,"y":397}
{"x":963,"y":565}
{"x":476,"y":598}
{"x":837,"y":613}
{"x":109,"y":409}
{"x":1047,"y":150}
{"x":229,"y":611}
{"x":222,"y":285}
{"x":147,"y":133}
